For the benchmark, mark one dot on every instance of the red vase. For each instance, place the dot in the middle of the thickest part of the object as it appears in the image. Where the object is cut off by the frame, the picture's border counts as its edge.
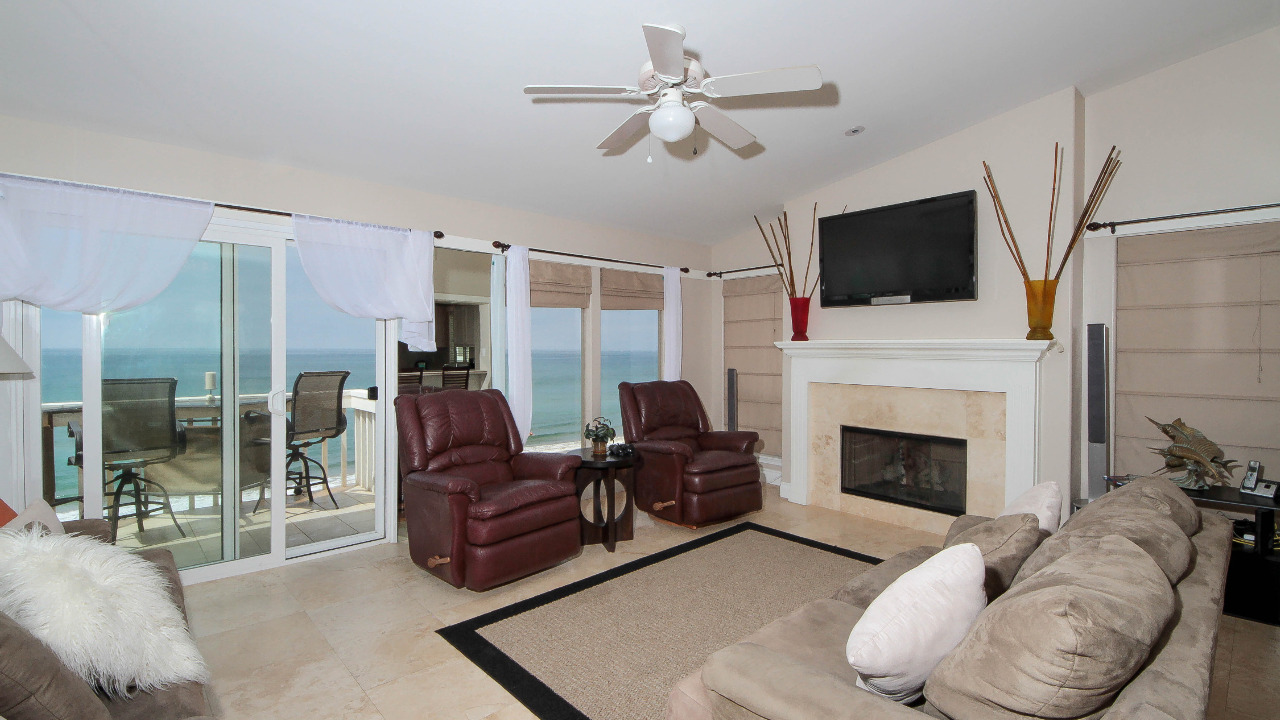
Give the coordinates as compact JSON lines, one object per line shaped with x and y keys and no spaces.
{"x":799,"y":318}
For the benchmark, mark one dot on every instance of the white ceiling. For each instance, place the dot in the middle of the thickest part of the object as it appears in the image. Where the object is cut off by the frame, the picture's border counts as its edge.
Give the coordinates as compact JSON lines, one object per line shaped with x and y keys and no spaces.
{"x":427,"y":94}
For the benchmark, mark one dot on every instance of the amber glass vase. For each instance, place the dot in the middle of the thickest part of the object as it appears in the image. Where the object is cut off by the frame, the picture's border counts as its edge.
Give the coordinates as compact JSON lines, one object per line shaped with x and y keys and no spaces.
{"x":1040,"y":295}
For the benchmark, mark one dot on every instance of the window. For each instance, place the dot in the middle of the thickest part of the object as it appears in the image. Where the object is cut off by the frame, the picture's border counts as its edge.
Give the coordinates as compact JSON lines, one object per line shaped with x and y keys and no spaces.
{"x":557,"y":376}
{"x":60,"y":401}
{"x":628,"y":353}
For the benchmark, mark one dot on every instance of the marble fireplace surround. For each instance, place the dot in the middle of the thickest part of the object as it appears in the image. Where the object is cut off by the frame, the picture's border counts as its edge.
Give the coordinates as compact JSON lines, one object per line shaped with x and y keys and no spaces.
{"x":987,"y":391}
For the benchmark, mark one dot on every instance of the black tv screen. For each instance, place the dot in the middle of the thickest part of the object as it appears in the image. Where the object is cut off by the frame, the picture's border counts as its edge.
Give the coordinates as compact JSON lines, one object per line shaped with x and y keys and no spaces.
{"x":918,"y":251}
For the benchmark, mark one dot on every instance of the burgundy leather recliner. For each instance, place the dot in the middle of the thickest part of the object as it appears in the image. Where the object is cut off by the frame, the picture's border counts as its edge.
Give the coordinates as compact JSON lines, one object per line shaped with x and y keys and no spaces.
{"x":480,"y":511}
{"x":688,"y":474}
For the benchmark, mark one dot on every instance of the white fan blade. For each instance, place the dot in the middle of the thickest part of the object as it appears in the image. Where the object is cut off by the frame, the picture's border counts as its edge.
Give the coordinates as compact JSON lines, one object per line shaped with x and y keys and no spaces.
{"x":792,"y":79}
{"x":719,"y":124}
{"x":666,"y":50}
{"x":580,"y":90}
{"x":638,"y":121}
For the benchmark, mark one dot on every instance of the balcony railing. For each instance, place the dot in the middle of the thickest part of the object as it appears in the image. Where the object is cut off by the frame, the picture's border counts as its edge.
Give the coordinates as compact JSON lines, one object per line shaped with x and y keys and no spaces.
{"x":354,"y":466}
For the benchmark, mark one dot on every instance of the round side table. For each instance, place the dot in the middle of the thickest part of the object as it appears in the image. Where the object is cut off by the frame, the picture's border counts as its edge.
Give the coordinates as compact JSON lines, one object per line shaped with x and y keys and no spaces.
{"x":608,"y":518}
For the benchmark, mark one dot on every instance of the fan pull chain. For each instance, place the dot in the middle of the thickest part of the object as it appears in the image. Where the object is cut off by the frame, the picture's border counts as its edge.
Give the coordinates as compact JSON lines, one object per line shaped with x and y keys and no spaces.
{"x":650,"y":159}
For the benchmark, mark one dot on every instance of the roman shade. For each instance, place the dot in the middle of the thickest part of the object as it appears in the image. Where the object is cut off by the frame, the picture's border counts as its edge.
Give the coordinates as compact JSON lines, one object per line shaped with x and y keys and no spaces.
{"x":625,"y":290}
{"x":1196,"y":319}
{"x":562,"y":285}
{"x":752,"y":323}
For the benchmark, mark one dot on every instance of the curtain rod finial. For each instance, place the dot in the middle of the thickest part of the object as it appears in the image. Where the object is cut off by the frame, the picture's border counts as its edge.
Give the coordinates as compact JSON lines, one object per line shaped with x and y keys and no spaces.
{"x":501,"y":246}
{"x":684,"y":270}
{"x":437,"y":235}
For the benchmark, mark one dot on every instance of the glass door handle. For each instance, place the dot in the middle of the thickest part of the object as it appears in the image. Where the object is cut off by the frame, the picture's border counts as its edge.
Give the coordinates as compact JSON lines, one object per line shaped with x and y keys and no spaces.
{"x":276,"y":403}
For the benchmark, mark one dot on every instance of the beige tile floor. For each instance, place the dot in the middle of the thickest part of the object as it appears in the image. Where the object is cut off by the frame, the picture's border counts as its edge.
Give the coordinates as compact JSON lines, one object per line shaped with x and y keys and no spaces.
{"x":352,"y":636}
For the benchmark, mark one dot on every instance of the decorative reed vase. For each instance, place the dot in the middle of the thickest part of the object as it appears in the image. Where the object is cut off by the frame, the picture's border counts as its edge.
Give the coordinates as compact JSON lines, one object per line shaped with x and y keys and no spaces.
{"x":599,"y":447}
{"x":1040,"y":295}
{"x":799,"y":318}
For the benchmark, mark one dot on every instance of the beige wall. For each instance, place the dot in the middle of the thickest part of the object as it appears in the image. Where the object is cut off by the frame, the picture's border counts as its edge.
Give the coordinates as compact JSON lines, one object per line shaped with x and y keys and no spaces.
{"x":65,"y":153}
{"x":1201,"y":134}
{"x":1019,"y":146}
{"x":1197,"y":135}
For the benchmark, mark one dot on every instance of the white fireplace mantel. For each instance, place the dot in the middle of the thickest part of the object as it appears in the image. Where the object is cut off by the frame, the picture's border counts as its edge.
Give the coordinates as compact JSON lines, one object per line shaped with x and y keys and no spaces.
{"x":1012,"y":367}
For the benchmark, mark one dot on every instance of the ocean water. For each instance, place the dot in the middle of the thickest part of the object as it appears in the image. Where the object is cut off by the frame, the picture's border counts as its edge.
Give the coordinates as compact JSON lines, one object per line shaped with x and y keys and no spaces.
{"x":557,"y":388}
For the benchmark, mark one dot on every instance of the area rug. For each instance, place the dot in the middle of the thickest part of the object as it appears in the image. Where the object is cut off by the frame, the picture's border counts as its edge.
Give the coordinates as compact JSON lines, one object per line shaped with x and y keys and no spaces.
{"x":611,"y":646}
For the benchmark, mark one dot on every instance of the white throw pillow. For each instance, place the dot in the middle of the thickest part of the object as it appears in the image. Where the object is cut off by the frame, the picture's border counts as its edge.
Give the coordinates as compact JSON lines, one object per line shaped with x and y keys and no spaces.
{"x":916,"y":621}
{"x":1044,"y":501}
{"x":105,"y":612}
{"x":38,"y":512}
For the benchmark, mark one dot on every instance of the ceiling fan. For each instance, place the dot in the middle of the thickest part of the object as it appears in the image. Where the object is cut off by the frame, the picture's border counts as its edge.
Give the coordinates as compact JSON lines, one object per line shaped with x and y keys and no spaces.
{"x":670,"y":77}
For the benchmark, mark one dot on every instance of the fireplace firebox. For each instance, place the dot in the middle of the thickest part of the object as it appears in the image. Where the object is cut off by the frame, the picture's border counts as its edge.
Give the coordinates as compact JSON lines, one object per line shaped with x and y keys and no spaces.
{"x":920,"y":471}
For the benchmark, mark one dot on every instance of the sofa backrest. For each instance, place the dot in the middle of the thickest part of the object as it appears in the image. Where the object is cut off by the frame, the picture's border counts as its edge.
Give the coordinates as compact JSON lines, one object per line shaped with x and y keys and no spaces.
{"x":34,"y":683}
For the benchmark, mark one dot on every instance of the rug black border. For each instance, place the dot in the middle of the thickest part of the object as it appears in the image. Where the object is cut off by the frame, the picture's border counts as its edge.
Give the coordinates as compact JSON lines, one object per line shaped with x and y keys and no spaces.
{"x":534,"y":694}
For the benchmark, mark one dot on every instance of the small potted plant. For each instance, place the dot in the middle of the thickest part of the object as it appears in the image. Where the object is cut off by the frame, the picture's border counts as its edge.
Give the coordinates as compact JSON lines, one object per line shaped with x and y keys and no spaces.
{"x":599,"y":433}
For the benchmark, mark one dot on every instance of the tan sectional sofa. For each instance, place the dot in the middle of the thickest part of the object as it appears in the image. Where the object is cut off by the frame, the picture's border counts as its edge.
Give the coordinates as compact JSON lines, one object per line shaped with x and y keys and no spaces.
{"x":1167,"y":580}
{"x":35,"y":685}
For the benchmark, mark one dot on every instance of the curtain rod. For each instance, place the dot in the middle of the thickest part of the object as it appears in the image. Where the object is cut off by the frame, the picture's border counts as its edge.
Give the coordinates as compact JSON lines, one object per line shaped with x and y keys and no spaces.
{"x":263,"y":211}
{"x":505,"y":247}
{"x":1096,"y":226}
{"x":722,"y":273}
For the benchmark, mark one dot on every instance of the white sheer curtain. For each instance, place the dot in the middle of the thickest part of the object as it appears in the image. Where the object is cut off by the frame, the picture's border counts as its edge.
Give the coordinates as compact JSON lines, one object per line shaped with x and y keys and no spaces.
{"x":672,"y":324}
{"x":519,"y":340}
{"x":88,"y":249}
{"x":372,"y":271}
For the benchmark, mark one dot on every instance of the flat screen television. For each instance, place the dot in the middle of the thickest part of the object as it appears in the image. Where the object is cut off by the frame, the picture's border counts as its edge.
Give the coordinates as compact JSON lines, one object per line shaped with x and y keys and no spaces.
{"x":918,"y":251}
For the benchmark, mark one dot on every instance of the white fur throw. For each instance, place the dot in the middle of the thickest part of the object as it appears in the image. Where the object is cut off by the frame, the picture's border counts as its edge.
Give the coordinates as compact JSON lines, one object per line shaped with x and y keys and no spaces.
{"x":105,"y":612}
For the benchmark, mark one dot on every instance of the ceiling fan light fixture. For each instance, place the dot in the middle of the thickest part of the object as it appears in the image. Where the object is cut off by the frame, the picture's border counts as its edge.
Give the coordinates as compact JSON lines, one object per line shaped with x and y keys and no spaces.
{"x":672,"y":122}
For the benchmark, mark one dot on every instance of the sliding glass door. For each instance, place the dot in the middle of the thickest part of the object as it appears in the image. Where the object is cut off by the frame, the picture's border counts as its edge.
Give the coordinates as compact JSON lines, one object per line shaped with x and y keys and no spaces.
{"x":332,"y":362}
{"x":234,"y":416}
{"x":186,"y":435}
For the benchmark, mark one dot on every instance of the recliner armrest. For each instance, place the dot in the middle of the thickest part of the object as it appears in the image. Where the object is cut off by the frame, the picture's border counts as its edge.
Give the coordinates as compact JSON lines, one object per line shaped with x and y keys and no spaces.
{"x":549,"y":466}
{"x":444,"y":484}
{"x":742,"y":441}
{"x":778,"y":687}
{"x":666,"y":447}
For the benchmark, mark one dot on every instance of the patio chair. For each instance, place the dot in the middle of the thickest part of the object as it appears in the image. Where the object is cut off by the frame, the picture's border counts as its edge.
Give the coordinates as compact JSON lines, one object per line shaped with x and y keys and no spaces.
{"x":139,"y":428}
{"x":317,"y":416}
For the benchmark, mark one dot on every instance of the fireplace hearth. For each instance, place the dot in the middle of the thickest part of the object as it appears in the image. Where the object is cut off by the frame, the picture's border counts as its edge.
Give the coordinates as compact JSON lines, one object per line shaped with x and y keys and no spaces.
{"x":920,"y":471}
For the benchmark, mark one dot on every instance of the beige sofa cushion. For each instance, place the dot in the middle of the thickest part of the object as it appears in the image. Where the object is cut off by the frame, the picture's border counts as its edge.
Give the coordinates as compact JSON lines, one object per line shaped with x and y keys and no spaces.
{"x":35,"y":685}
{"x":1044,"y":501}
{"x":1061,"y":643}
{"x":1006,"y":542}
{"x":1156,"y":493}
{"x":1151,"y":530}
{"x":868,"y":585}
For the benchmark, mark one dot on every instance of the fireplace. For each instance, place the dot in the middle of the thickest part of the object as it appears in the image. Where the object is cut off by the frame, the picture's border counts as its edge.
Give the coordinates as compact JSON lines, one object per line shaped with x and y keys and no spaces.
{"x":920,"y":471}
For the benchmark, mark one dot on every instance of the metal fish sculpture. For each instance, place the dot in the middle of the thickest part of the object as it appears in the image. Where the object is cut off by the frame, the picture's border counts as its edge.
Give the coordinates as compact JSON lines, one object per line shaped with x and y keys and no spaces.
{"x":1202,"y":459}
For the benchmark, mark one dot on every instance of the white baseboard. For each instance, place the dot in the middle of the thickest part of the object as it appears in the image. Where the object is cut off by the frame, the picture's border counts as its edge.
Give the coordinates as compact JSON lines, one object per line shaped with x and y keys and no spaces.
{"x":771,"y":467}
